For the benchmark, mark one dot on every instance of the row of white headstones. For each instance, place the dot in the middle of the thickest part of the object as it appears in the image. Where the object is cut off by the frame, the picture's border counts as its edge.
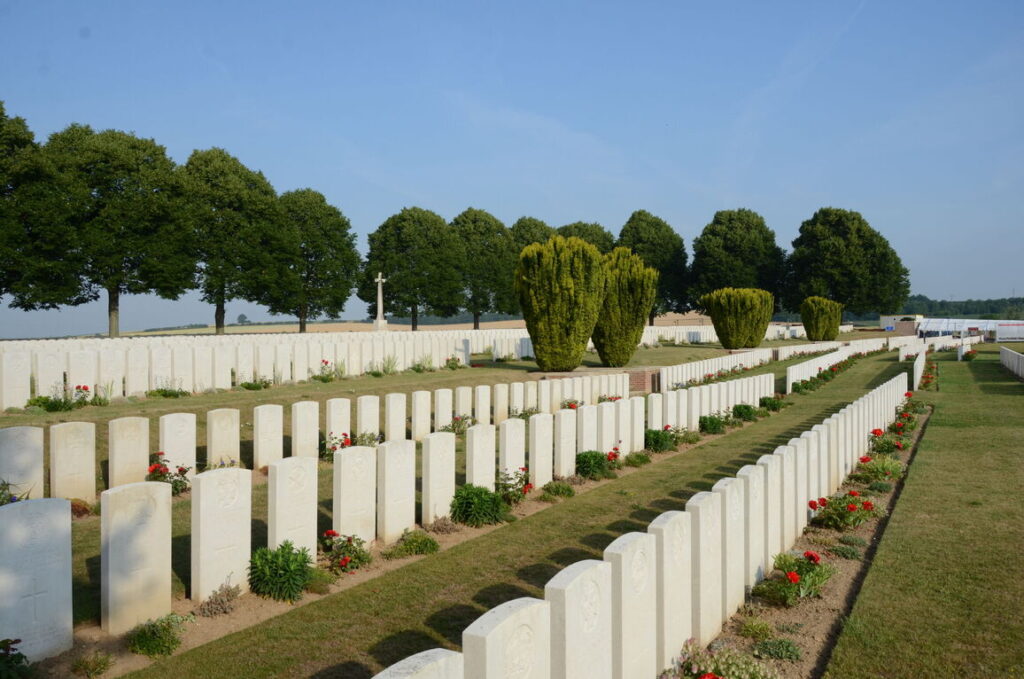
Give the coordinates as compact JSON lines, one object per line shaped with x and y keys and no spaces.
{"x":374,"y":497}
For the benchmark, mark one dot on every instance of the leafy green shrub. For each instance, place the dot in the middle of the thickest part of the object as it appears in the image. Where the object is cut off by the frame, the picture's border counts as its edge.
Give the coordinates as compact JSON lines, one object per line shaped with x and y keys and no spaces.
{"x":167,"y":392}
{"x":722,"y":662}
{"x":756,"y":629}
{"x":524,"y":414}
{"x":711,"y":424}
{"x":411,"y":543}
{"x":280,"y":573}
{"x":762,"y":412}
{"x":343,"y":553}
{"x":685,"y":436}
{"x":221,"y":602}
{"x":845,"y":552}
{"x":637,"y":459}
{"x":630,"y":287}
{"x":821,"y":318}
{"x":512,"y":488}
{"x":771,"y":403}
{"x":740,"y":315}
{"x":476,"y":506}
{"x":320,"y":581}
{"x":13,"y":663}
{"x":552,"y":490}
{"x":256,"y":384}
{"x":52,"y":404}
{"x":560,"y":285}
{"x":459,"y":425}
{"x":879,"y":468}
{"x":779,"y":649}
{"x":89,"y":665}
{"x":659,"y":440}
{"x":801,"y":577}
{"x":593,"y":464}
{"x":842,"y":512}
{"x":159,"y":637}
{"x":742,"y":411}
{"x":442,"y":526}
{"x":853,"y":540}
{"x":880,"y":487}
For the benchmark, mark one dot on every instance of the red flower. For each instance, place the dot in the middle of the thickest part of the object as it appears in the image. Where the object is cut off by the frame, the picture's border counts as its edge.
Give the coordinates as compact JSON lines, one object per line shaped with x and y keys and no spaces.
{"x":822,"y":501}
{"x":153,"y":467}
{"x":85,"y":387}
{"x":869,"y":505}
{"x":865,"y":459}
{"x":572,"y":406}
{"x":851,"y":507}
{"x":349,"y":539}
{"x":709,"y":675}
{"x":182,"y":470}
{"x":527,"y":488}
{"x":344,"y":561}
{"x":899,"y":445}
{"x":793,"y":577}
{"x":908,"y":394}
{"x":905,"y":416}
{"x":854,"y":493}
{"x":877,"y":432}
{"x":668,"y":427}
{"x":159,"y":453}
{"x":813,"y":505}
{"x":329,"y":533}
{"x":347,"y":442}
{"x":812,"y":556}
{"x":899,"y":425}
{"x":612,"y":456}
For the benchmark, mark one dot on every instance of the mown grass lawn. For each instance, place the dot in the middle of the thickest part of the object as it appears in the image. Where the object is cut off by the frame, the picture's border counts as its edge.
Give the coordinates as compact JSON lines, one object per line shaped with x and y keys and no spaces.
{"x":944,"y":596}
{"x":427,"y":603}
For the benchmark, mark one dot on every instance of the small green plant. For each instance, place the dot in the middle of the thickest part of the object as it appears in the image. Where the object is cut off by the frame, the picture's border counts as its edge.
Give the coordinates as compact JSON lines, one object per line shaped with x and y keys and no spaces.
{"x":221,"y":602}
{"x":853,"y":540}
{"x":570,"y":404}
{"x":160,"y":470}
{"x":389,"y":366}
{"x":167,"y":392}
{"x":8,"y":494}
{"x":801,"y":577}
{"x":779,"y":649}
{"x":742,"y":411}
{"x":343,"y":553}
{"x":637,"y":459}
{"x":411,"y":543}
{"x":453,"y":363}
{"x":659,"y":440}
{"x":756,"y":629}
{"x":556,"y":489}
{"x":878,"y":468}
{"x":281,"y":573}
{"x":156,"y":638}
{"x":711,"y":424}
{"x":320,"y":581}
{"x":524,"y":414}
{"x":880,"y":487}
{"x":845,"y":552}
{"x":459,"y":425}
{"x":771,"y":403}
{"x":842,"y":512}
{"x":256,"y":384}
{"x":91,"y":665}
{"x":698,"y":662}
{"x":513,"y":487}
{"x":684,"y":435}
{"x":606,"y":398}
{"x":13,"y":663}
{"x":789,"y":627}
{"x":593,"y":464}
{"x":442,"y":526}
{"x":477,"y":506}
{"x":327,"y":372}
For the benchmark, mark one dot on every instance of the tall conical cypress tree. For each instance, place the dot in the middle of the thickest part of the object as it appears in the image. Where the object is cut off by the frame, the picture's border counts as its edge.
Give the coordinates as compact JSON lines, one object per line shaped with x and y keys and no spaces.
{"x":630,"y":288}
{"x":821,"y":318}
{"x":560,"y":285}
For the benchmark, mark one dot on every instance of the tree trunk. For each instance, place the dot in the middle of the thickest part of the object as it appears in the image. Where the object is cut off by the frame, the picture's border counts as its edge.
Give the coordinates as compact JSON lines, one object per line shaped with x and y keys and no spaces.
{"x":113,"y":312}
{"x":415,"y":316}
{"x":302,"y":320}
{"x":650,"y":319}
{"x":218,"y":316}
{"x":476,"y":320}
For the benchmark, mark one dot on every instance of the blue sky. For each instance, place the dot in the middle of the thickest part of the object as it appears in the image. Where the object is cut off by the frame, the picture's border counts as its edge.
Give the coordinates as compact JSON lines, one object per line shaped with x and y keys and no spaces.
{"x":909,"y":112}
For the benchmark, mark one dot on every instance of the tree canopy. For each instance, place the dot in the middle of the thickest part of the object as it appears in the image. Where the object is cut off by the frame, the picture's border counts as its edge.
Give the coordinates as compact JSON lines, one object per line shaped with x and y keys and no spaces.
{"x":529,"y":230}
{"x":237,"y":228}
{"x":839,"y":256}
{"x":591,"y":232}
{"x":662,"y":249}
{"x":736,"y":250}
{"x":490,"y":257}
{"x":422,"y":260}
{"x":629,"y":292}
{"x":316,"y":268}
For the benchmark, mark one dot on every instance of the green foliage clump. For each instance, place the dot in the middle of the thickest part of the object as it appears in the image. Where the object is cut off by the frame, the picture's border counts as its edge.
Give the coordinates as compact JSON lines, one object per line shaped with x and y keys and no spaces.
{"x":637,"y":459}
{"x":711,"y":424}
{"x":257,"y":384}
{"x":740,"y":315}
{"x":842,"y":512}
{"x":736,"y":250}
{"x":880,"y":487}
{"x":801,"y":577}
{"x":221,"y":602}
{"x":13,"y":663}
{"x":845,"y":552}
{"x":593,"y":464}
{"x":853,"y":540}
{"x":476,"y":506}
{"x":411,"y":543}
{"x":155,"y":638}
{"x":659,"y":440}
{"x":90,"y":665}
{"x":771,"y":403}
{"x":662,"y":249}
{"x":343,"y":553}
{"x":629,"y":292}
{"x":320,"y":581}
{"x":722,"y":662}
{"x":742,"y":411}
{"x":880,"y":468}
{"x":821,"y":318}
{"x":560,"y":286}
{"x":779,"y":649}
{"x":280,"y":573}
{"x":556,"y":489}
{"x":756,"y":629}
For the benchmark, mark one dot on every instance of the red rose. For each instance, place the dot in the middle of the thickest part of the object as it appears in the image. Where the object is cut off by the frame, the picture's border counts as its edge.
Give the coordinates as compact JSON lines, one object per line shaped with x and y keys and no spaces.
{"x":572,"y":406}
{"x":160,"y":453}
{"x":793,"y":577}
{"x":813,"y":505}
{"x":908,"y":394}
{"x":899,"y":425}
{"x":869,"y":505}
{"x":851,"y":508}
{"x":865,"y":459}
{"x":153,"y":467}
{"x":812,"y":556}
{"x":182,"y":470}
{"x":877,"y":432}
{"x":854,"y":493}
{"x":344,"y":561}
{"x":899,"y":445}
{"x":85,"y":387}
{"x":329,"y":533}
{"x":822,"y":501}
{"x":527,"y":488}
{"x":667,"y":427}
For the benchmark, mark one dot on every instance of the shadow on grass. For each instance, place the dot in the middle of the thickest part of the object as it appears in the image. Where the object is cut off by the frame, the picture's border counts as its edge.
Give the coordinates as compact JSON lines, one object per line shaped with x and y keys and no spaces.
{"x":538,"y":574}
{"x":399,"y":646}
{"x":450,"y":622}
{"x":499,"y":593}
{"x":346,"y":670}
{"x":570,"y":555}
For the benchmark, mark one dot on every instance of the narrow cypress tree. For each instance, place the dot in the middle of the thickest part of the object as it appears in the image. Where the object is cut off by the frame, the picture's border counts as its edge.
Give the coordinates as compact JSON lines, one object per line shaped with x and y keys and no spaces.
{"x":560,"y":285}
{"x":630,"y":289}
{"x":821,"y":318}
{"x":740,"y":315}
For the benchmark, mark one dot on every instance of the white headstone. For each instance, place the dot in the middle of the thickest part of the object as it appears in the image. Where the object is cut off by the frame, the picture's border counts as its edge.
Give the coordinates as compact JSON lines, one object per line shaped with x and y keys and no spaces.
{"x":221,"y":531}
{"x":733,"y":544}
{"x":438,"y":476}
{"x":517,"y":397}
{"x":607,"y":427}
{"x":637,"y":429}
{"x":177,"y":440}
{"x":292,"y":503}
{"x":633,"y":557}
{"x":442,"y":408}
{"x":222,"y":436}
{"x":581,"y":621}
{"x":437,"y":663}
{"x":338,"y":417}
{"x":420,"y":425}
{"x":754,"y":563}
{"x":35,"y":576}
{"x":541,"y":452}
{"x":464,"y":401}
{"x":586,"y":428}
{"x":512,"y":445}
{"x":655,"y":411}
{"x":482,"y":404}
{"x":510,"y":640}
{"x":396,"y":489}
{"x":368,"y":415}
{"x":705,"y":510}
{"x":73,"y":460}
{"x":21,"y":460}
{"x":306,"y":429}
{"x":394,"y":417}
{"x":128,"y":450}
{"x":500,"y":403}
{"x":355,"y":492}
{"x":267,"y":434}
{"x":674,"y":615}
{"x":135,"y":555}
{"x":480,"y":462}
{"x":624,"y":426}
{"x":565,"y":443}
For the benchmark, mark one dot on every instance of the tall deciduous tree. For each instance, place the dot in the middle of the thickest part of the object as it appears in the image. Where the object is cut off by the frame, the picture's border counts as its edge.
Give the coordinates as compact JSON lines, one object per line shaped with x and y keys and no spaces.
{"x":630,"y":289}
{"x":592,"y":232}
{"x":237,"y":228}
{"x":662,"y":249}
{"x":317,"y":264}
{"x":839,"y":256}
{"x":529,"y":230}
{"x":123,"y":217}
{"x":490,"y":258}
{"x":422,"y":260}
{"x":736,"y":250}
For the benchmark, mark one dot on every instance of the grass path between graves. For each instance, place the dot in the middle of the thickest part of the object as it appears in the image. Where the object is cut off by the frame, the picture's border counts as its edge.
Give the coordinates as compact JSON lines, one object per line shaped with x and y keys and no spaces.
{"x":944,"y":596}
{"x":86,"y":532}
{"x":428,"y":603}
